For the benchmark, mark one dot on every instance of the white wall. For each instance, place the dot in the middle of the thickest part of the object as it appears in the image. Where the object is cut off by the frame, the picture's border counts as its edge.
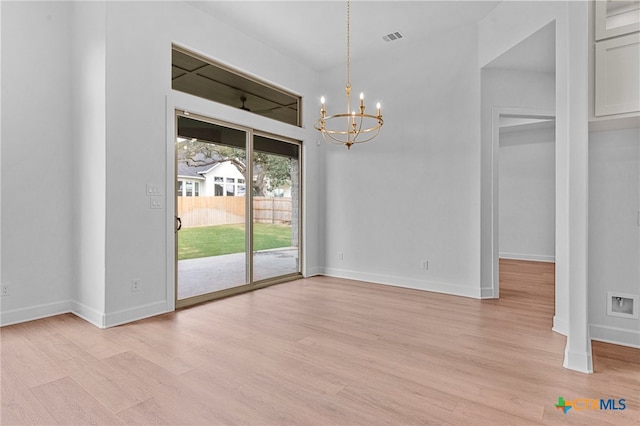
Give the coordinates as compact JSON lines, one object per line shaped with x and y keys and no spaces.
{"x":411,"y":194}
{"x":503,"y":28}
{"x":505,"y":90}
{"x":90,"y":84}
{"x":614,"y":249}
{"x":610,"y":265}
{"x":37,"y":162}
{"x":88,"y":94}
{"x":527,"y":192}
{"x":139,"y":37}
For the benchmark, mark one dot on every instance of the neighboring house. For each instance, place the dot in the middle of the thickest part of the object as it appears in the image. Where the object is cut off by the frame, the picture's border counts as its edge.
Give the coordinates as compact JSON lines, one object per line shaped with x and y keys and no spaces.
{"x":190,"y":181}
{"x":221,"y":179}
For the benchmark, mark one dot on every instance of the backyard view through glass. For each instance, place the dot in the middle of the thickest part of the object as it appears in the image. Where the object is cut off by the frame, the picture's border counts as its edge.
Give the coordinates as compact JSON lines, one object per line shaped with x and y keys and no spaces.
{"x":212,"y":185}
{"x":212,"y":241}
{"x":276,"y":194}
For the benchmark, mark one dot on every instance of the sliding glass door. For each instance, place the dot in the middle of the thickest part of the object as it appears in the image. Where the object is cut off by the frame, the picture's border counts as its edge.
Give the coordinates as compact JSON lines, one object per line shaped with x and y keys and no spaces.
{"x":238,"y":227}
{"x":276,"y":213}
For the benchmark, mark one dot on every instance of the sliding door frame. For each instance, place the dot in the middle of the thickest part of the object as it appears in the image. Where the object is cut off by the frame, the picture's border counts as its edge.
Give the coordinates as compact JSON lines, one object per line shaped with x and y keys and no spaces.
{"x":249,"y":241}
{"x":248,"y":232}
{"x":285,"y":277}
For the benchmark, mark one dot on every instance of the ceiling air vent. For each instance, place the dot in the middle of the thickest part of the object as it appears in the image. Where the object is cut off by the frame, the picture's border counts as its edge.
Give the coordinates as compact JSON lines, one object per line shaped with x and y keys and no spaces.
{"x":392,"y":36}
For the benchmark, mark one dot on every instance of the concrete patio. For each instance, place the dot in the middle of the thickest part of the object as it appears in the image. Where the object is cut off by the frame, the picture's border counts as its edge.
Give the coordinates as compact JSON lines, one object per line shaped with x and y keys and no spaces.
{"x":209,"y":274}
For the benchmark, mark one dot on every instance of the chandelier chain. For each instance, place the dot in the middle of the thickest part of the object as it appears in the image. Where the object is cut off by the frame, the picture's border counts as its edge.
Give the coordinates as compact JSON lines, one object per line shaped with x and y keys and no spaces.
{"x":348,"y":43}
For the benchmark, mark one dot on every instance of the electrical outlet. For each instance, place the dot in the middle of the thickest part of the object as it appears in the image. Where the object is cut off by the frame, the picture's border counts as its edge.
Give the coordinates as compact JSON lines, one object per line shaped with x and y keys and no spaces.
{"x":135,"y":284}
{"x":5,"y":290}
{"x":340,"y":256}
{"x":425,"y":265}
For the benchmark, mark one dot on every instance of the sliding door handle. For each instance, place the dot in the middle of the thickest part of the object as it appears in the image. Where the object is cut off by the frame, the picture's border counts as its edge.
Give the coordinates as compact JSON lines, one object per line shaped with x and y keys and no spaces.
{"x":178,"y":224}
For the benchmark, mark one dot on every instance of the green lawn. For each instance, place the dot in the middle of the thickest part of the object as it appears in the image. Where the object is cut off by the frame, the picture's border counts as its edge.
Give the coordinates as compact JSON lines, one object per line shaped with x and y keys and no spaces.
{"x":227,"y":239}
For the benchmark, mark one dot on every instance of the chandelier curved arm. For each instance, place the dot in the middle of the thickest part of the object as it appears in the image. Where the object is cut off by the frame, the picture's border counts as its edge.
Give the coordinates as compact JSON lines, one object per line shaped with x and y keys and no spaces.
{"x":354,"y":132}
{"x":329,"y":138}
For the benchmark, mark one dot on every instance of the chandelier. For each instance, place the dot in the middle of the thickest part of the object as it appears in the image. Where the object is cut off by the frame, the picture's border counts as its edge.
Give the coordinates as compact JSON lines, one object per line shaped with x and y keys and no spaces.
{"x":353,"y":127}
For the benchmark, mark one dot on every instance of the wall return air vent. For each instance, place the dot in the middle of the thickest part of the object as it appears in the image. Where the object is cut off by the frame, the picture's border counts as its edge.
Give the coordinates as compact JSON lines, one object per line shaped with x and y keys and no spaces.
{"x":392,"y":37}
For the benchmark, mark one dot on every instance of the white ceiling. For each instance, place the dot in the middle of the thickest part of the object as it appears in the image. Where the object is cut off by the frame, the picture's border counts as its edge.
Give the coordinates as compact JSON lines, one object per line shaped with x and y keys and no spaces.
{"x":314,"y":32}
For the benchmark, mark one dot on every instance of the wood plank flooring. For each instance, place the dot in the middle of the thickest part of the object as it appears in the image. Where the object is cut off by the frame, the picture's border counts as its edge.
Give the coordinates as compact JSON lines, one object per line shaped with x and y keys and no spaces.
{"x":318,"y":351}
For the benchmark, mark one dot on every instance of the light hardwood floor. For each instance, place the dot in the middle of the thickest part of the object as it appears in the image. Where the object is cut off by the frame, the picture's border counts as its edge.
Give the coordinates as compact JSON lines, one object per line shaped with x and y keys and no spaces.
{"x":314,"y":352}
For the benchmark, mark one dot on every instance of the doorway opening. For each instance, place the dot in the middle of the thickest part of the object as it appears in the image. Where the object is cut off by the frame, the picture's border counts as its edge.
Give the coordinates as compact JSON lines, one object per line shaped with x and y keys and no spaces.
{"x":237,"y":209}
{"x":524,"y":205}
{"x":518,"y":103}
{"x":526,"y":211}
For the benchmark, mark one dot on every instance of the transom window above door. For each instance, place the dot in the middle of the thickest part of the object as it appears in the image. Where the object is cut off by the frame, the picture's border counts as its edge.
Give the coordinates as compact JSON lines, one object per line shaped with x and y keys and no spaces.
{"x":203,"y":77}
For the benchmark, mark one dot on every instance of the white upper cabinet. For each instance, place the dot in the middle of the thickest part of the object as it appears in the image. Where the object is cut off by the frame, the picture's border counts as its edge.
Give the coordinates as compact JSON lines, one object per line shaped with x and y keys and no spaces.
{"x":616,"y":17}
{"x":617,"y":58}
{"x":618,"y":75}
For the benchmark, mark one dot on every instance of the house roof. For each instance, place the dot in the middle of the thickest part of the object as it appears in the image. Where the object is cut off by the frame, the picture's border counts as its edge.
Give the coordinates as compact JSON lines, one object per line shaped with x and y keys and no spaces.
{"x":198,"y":172}
{"x":187,"y":170}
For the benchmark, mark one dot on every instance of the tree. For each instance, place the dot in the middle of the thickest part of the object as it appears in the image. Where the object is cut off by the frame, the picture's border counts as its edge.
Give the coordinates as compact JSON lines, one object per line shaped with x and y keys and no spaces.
{"x":270,"y":171}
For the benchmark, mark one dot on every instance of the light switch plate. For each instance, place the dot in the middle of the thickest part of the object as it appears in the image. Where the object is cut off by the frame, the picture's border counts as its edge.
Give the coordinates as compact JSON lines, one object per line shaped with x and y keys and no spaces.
{"x":153,"y":189}
{"x":155,"y":202}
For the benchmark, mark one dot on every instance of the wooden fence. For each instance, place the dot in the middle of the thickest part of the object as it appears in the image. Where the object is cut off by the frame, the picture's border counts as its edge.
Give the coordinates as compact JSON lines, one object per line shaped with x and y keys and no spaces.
{"x":272,"y":210}
{"x":209,"y":211}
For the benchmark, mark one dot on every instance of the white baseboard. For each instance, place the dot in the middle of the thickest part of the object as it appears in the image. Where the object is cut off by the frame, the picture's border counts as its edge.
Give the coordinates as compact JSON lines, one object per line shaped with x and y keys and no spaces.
{"x":80,"y":310}
{"x":88,"y":314}
{"x":527,"y":256}
{"x":487,"y":293}
{"x":31,"y":313}
{"x":615,"y":335}
{"x":311,"y":272}
{"x":578,"y":361}
{"x":134,"y":314}
{"x":437,"y":287}
{"x":560,"y":325}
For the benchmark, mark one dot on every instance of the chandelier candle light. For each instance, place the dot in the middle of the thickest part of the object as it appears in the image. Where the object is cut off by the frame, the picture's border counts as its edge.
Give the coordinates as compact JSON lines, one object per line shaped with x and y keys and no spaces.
{"x":359,"y":127}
